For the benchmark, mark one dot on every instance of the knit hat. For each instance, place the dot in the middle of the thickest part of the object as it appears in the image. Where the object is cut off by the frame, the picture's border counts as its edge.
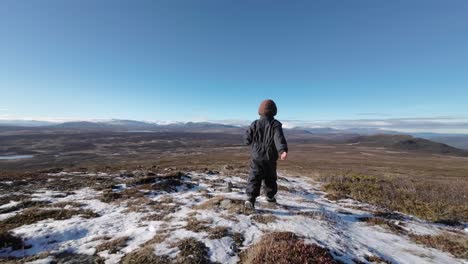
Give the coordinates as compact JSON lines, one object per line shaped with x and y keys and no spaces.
{"x":267,"y":108}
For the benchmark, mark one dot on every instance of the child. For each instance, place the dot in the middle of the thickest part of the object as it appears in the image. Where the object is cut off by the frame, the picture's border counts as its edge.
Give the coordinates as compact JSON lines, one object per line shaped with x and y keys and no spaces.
{"x":266,"y":137}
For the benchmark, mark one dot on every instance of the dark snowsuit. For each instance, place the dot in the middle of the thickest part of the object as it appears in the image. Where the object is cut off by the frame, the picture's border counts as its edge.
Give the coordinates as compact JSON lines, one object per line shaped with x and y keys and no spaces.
{"x":267,"y":140}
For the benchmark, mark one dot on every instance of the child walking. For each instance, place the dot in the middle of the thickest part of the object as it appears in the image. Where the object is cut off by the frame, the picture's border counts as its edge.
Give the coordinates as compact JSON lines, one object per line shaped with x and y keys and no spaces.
{"x":266,"y":138}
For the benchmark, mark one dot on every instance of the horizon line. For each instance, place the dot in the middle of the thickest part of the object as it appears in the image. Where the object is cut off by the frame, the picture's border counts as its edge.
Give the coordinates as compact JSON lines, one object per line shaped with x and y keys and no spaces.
{"x":437,"y":125}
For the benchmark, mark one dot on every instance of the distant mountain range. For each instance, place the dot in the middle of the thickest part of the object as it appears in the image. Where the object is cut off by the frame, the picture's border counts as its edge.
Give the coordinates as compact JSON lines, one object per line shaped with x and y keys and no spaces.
{"x":26,"y":123}
{"x":118,"y":125}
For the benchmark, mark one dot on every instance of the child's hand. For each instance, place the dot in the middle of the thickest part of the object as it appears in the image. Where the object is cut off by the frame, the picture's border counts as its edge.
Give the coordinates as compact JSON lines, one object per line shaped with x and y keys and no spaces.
{"x":284,"y":155}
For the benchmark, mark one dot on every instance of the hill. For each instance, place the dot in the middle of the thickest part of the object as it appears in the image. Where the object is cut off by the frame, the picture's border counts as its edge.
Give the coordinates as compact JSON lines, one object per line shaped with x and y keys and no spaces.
{"x":408,"y":143}
{"x":458,"y":141}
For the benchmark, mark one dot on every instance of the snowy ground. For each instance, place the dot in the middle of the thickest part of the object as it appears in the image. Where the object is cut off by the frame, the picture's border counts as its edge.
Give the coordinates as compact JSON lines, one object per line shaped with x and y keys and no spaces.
{"x":213,"y":200}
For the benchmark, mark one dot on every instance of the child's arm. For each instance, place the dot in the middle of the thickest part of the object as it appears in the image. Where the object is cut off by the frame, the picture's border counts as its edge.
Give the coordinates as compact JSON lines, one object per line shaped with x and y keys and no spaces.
{"x":248,"y":137}
{"x":280,"y":142}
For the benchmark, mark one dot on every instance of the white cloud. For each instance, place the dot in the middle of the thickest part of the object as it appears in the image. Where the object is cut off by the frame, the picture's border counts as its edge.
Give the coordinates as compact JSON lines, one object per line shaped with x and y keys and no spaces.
{"x":232,"y":122}
{"x":423,"y":124}
{"x":426,"y":124}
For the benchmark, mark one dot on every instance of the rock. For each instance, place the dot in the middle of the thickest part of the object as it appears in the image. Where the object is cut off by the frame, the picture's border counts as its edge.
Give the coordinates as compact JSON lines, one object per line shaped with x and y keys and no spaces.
{"x":225,"y":204}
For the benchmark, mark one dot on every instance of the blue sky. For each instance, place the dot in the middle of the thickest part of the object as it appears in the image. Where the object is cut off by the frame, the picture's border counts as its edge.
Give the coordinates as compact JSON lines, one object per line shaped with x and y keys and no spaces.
{"x":216,"y":60}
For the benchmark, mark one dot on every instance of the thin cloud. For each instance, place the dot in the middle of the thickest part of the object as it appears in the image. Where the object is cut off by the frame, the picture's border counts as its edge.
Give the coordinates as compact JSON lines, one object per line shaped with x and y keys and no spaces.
{"x":428,"y":123}
{"x":372,"y":114}
{"x":413,"y":124}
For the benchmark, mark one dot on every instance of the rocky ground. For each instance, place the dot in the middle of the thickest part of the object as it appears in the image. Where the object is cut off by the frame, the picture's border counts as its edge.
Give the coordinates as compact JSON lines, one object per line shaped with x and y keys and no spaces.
{"x":198,"y":217}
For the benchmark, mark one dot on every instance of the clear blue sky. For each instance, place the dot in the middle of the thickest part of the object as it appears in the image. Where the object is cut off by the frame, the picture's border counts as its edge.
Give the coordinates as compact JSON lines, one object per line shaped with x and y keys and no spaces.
{"x":216,"y":60}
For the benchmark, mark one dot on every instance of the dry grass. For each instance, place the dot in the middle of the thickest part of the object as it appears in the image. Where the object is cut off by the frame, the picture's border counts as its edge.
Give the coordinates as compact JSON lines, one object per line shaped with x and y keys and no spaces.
{"x":12,"y":197}
{"x":283,"y":188}
{"x":113,"y":246}
{"x":218,"y":232}
{"x":110,"y":196}
{"x":285,"y":248}
{"x":169,"y":185}
{"x":145,"y":255}
{"x":384,"y":223}
{"x":130,"y":193}
{"x":157,"y":239}
{"x":210,"y":204}
{"x":141,"y":204}
{"x":166,"y":199}
{"x":27,"y":203}
{"x":196,"y":225}
{"x":34,"y":215}
{"x":238,"y":240}
{"x":64,"y":257}
{"x":41,"y":255}
{"x":161,"y":210}
{"x":456,"y":244}
{"x":155,"y":217}
{"x":264,"y":219}
{"x":162,"y":183}
{"x":319,"y":215}
{"x":66,"y":204}
{"x":439,"y":201}
{"x":376,"y":259}
{"x":223,"y":231}
{"x":164,"y":207}
{"x":142,"y":180}
{"x":192,"y":251}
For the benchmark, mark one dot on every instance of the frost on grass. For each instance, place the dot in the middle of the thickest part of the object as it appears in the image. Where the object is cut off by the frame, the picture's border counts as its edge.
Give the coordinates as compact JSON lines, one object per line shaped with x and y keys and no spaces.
{"x":142,"y":217}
